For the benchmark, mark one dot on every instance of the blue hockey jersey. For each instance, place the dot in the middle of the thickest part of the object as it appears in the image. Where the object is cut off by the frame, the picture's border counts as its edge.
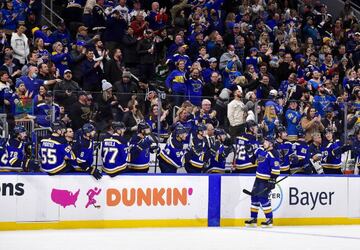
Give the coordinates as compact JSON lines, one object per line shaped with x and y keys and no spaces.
{"x":332,"y":158}
{"x":245,"y":160}
{"x":194,"y":91}
{"x":217,"y":161}
{"x":46,"y":113}
{"x":284,"y":149}
{"x":301,"y":150}
{"x":196,"y":152}
{"x":293,"y":118}
{"x":54,"y":151}
{"x":114,"y":154}
{"x":176,"y":82}
{"x":173,"y":152}
{"x":139,"y":152}
{"x":84,"y":151}
{"x":14,"y":155}
{"x":268,"y":164}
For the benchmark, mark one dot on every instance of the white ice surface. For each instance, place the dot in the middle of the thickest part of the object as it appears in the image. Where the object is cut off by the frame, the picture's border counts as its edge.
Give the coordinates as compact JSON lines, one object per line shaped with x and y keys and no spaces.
{"x":309,"y":237}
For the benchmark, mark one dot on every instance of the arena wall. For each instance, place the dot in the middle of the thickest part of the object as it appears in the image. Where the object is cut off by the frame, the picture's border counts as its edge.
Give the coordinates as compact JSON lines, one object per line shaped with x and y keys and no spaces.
{"x":37,"y":201}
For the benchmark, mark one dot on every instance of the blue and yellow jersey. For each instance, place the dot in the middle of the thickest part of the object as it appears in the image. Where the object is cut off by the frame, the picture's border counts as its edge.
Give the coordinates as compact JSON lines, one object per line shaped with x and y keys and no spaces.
{"x":176,"y":81}
{"x":196,"y":151}
{"x":114,"y":154}
{"x":268,"y":164}
{"x":243,"y":159}
{"x":173,"y":152}
{"x":54,"y":151}
{"x":301,"y":149}
{"x":139,"y":152}
{"x":84,"y":151}
{"x":293,"y":118}
{"x":331,"y":159}
{"x":14,"y":155}
{"x":284,"y":149}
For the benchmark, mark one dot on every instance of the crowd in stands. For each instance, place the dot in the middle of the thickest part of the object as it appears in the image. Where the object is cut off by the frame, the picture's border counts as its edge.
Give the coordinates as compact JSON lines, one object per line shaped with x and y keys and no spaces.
{"x":218,"y":62}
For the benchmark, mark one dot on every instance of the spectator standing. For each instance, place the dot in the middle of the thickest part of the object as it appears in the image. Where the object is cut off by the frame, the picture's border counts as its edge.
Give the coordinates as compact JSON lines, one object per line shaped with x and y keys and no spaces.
{"x":114,"y":67}
{"x":146,"y":51}
{"x":20,"y":44}
{"x":311,"y":123}
{"x":66,"y":92}
{"x":80,"y":112}
{"x":78,"y":56}
{"x":157,"y":18}
{"x":139,"y":25}
{"x":237,"y":112}
{"x":175,"y":83}
{"x":91,"y":73}
{"x":60,"y":57}
{"x":115,"y":30}
{"x":129,"y":41}
{"x":132,"y":118}
{"x":293,"y":118}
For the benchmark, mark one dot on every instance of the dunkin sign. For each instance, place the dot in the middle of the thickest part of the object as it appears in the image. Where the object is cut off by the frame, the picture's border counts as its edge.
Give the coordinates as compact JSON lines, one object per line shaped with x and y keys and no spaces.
{"x":148,"y":197}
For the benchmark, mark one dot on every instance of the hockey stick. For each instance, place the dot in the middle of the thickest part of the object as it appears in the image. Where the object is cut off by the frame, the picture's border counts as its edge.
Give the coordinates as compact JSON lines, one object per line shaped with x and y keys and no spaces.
{"x":356,"y":168}
{"x":97,"y":149}
{"x":245,"y":191}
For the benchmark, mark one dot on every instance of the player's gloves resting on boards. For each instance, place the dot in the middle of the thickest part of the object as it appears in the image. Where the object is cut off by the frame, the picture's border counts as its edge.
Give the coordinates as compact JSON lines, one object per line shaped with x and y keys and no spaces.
{"x":94,"y":172}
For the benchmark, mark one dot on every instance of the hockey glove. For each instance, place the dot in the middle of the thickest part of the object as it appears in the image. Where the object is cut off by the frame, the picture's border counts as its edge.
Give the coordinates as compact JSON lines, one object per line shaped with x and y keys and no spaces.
{"x":293,"y":159}
{"x":340,"y":150}
{"x":271,"y":183}
{"x":249,"y":149}
{"x":95,"y":172}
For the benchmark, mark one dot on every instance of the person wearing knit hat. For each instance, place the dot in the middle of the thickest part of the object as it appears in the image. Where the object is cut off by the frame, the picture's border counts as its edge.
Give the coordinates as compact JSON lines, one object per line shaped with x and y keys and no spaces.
{"x":126,"y":74}
{"x":106,"y":85}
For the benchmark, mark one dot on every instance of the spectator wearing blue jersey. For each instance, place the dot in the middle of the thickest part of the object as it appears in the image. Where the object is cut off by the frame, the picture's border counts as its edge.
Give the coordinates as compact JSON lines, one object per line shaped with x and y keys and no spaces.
{"x":43,"y":33}
{"x":315,"y":82}
{"x":162,"y":131}
{"x":323,"y":100}
{"x":176,"y":83}
{"x":60,"y":57}
{"x":47,"y":112}
{"x":32,"y":83}
{"x":270,"y":120}
{"x":293,"y":118}
{"x":231,"y":74}
{"x":43,"y":54}
{"x":180,"y":55}
{"x":195,"y":87}
{"x":61,"y":35}
{"x":10,"y":16}
{"x":207,"y":72}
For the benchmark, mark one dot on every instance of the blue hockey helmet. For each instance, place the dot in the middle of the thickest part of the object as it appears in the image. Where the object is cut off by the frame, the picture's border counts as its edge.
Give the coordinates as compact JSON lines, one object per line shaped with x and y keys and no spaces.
{"x":219,"y":131}
{"x":181,"y":129}
{"x":118,"y":125}
{"x":142,"y":126}
{"x":301,"y":131}
{"x":280,"y":129}
{"x":201,"y":128}
{"x":19,"y":129}
{"x":270,"y":138}
{"x":88,"y":128}
{"x":57,"y":126}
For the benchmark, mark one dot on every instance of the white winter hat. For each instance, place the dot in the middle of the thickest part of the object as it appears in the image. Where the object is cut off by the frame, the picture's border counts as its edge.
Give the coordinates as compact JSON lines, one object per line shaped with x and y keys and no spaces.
{"x":106,"y":85}
{"x":273,"y":92}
